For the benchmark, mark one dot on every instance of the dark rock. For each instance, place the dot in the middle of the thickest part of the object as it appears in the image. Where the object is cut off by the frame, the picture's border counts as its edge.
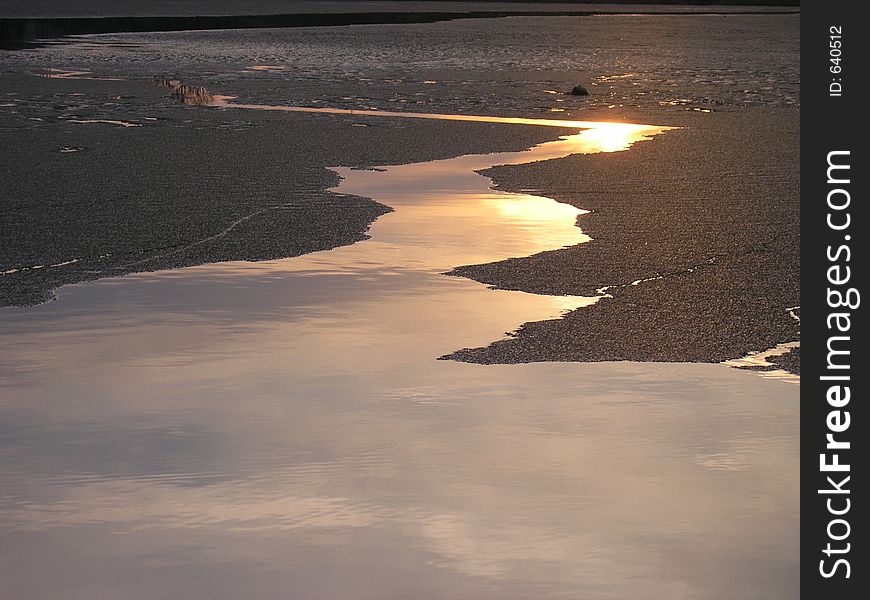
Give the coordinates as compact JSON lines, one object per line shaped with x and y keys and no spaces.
{"x":579,"y":90}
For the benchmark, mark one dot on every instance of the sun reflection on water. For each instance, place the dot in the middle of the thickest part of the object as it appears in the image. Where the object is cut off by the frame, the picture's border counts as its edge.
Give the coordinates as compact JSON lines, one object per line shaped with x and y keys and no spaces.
{"x":599,"y":136}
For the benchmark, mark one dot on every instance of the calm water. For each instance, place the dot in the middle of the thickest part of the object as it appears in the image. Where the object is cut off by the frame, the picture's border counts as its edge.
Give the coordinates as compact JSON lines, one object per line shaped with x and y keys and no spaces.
{"x":285,"y":428}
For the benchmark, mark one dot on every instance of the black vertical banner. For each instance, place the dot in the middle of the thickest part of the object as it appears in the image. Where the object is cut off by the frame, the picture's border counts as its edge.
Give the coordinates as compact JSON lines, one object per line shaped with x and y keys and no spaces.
{"x":834,"y":265}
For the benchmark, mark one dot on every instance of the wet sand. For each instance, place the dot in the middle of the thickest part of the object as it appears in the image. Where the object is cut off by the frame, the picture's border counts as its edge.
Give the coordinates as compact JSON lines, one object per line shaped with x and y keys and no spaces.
{"x":249,"y":428}
{"x":699,"y":251}
{"x":718,"y":248}
{"x":193,"y":187}
{"x":198,"y":185}
{"x":241,"y":429}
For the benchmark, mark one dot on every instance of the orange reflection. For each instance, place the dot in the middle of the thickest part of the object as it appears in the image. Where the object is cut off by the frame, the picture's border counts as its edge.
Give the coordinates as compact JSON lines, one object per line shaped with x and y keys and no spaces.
{"x":611,"y":137}
{"x":446,"y":213}
{"x":607,"y":136}
{"x":598,"y":136}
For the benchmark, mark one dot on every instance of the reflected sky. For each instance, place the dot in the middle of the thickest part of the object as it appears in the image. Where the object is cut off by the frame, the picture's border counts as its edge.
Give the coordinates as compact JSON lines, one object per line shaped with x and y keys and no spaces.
{"x":284,"y":429}
{"x":446,"y":214}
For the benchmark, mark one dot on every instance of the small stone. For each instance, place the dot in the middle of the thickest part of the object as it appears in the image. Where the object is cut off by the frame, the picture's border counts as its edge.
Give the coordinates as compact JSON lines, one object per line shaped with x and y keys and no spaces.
{"x":579,"y":90}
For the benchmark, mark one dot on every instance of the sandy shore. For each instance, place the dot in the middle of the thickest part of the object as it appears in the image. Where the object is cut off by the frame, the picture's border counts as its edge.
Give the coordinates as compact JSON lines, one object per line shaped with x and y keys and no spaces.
{"x":700,"y":252}
{"x":704,"y":218}
{"x":193,"y":186}
{"x":239,"y":429}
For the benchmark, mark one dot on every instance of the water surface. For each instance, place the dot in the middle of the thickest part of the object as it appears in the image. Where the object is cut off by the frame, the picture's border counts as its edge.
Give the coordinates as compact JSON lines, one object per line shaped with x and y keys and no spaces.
{"x":284,"y":428}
